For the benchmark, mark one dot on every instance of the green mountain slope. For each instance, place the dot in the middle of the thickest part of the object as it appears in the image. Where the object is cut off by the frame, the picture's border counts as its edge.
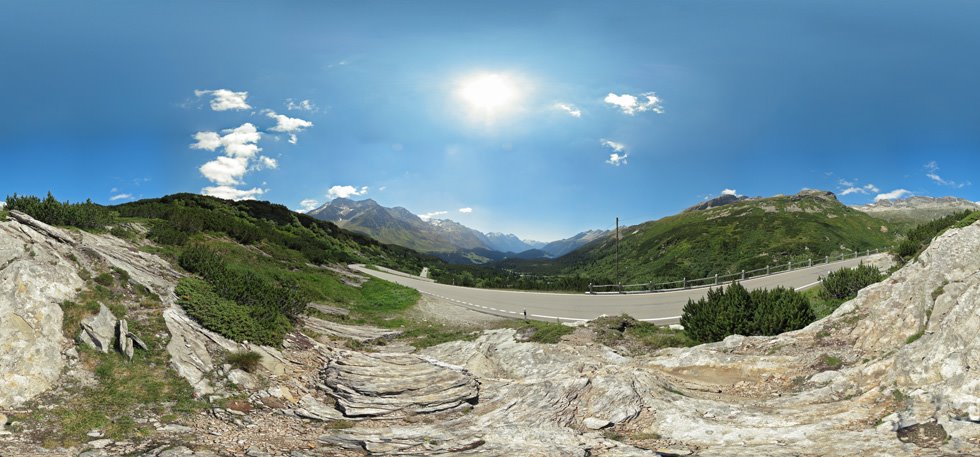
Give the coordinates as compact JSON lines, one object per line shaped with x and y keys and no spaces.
{"x":746,"y":234}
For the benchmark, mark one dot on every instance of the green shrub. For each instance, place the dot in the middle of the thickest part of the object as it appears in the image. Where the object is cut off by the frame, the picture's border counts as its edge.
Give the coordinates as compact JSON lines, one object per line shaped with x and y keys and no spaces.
{"x":165,"y":233}
{"x":85,"y":215}
{"x":735,"y":311}
{"x":918,"y":238}
{"x":245,"y":360}
{"x":105,"y":279}
{"x":228,"y":318}
{"x":780,"y":310}
{"x":845,"y":283}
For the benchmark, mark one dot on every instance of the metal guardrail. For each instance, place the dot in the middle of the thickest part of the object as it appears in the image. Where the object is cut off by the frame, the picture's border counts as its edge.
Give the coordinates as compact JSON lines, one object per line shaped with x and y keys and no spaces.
{"x":715,"y":280}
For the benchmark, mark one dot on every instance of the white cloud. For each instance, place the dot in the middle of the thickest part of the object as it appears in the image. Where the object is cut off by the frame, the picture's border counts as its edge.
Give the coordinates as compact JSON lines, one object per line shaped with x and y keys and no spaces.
{"x":569,"y":108}
{"x":208,"y":141}
{"x":616,"y":147}
{"x":225,"y":171}
{"x":309,"y":205}
{"x":224,"y":99}
{"x":382,"y":188}
{"x":302,"y":105}
{"x":897,"y":193}
{"x":267,"y":162}
{"x":616,"y":160}
{"x":120,"y":197}
{"x":932,"y":168}
{"x":240,"y":141}
{"x":631,"y":104}
{"x":852,"y":188}
{"x":345,"y":192}
{"x":729,"y":192}
{"x":231,"y":193}
{"x":427,"y":216}
{"x":290,"y":125}
{"x":466,"y":210}
{"x":3,"y":204}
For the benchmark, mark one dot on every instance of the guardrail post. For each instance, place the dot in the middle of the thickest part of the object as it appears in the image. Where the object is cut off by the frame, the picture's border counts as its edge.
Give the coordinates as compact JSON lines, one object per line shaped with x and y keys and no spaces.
{"x":621,"y":288}
{"x":767,"y":270}
{"x":868,"y":253}
{"x":590,"y":289}
{"x":743,"y":275}
{"x":809,"y":262}
{"x":789,"y":266}
{"x":826,"y":259}
{"x":842,"y":257}
{"x":716,"y":279}
{"x":685,"y":282}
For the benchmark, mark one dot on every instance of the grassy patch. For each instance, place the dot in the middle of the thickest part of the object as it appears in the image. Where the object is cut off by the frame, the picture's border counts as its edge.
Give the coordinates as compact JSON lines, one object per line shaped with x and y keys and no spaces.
{"x":830,"y":362}
{"x":235,"y":321}
{"x":636,"y":336}
{"x":915,"y":337}
{"x":821,"y":305}
{"x":125,"y":391}
{"x":245,"y":360}
{"x":105,"y":280}
{"x":939,"y":291}
{"x":538,"y":331}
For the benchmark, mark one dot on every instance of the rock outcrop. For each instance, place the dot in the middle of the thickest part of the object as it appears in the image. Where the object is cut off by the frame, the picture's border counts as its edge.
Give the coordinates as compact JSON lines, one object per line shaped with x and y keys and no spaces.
{"x":359,"y":333}
{"x":396,"y":385}
{"x":99,"y":330}
{"x":36,"y":275}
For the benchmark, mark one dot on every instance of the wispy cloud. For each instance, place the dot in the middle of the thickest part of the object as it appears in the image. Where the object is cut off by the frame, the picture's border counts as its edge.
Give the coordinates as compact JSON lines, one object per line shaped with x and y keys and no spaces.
{"x":569,"y":108}
{"x":632,"y":104}
{"x":897,"y":193}
{"x":302,"y":105}
{"x":345,"y":192}
{"x":932,"y":168}
{"x":850,"y":187}
{"x":121,"y":197}
{"x":466,"y":210}
{"x":224,"y":99}
{"x":308,"y":205}
{"x":618,"y":156}
{"x":428,"y":216}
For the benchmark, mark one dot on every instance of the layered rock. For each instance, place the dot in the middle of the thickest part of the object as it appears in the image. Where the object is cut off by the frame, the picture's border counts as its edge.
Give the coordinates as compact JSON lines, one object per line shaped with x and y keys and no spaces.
{"x":396,"y":385}
{"x":360,"y":333}
{"x":99,"y":330}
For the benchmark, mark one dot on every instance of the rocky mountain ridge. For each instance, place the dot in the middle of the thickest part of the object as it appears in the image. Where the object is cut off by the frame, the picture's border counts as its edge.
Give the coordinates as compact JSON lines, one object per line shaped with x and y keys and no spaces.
{"x":454,"y":241}
{"x":917,"y":208}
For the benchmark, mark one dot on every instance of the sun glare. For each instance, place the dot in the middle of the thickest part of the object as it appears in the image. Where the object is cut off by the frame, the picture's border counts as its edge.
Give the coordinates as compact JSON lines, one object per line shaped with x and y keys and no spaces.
{"x":489,"y":94}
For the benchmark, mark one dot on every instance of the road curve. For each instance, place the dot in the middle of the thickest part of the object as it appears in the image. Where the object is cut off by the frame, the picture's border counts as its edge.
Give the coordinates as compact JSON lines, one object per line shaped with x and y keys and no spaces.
{"x":660,"y":307}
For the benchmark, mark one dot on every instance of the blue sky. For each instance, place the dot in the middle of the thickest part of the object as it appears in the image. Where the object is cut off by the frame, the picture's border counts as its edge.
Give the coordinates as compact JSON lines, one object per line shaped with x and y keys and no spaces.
{"x":440,"y":106}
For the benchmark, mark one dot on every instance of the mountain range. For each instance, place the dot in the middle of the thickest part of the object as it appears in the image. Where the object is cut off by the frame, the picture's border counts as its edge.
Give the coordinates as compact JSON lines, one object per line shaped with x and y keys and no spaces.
{"x":445,"y":238}
{"x":914,"y":210}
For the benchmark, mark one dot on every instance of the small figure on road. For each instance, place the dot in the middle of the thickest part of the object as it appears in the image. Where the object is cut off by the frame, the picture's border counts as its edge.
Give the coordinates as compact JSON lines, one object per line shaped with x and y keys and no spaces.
{"x":525,"y":315}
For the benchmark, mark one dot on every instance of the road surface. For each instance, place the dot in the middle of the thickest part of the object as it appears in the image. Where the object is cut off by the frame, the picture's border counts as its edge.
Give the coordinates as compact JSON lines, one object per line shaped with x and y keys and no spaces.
{"x":658,"y":307}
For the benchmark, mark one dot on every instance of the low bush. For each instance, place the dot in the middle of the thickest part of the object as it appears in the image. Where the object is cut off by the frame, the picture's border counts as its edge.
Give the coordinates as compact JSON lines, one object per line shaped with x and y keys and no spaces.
{"x":228,"y":318}
{"x":736,"y":311}
{"x":845,"y":283}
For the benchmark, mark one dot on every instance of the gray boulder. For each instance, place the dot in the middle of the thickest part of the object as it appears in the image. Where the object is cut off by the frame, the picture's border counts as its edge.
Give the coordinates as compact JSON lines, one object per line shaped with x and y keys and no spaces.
{"x":98,"y":331}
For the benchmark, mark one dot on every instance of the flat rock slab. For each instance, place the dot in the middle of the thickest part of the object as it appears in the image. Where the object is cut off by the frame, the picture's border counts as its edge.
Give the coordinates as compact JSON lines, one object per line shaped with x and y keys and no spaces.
{"x":359,"y":333}
{"x":98,"y":330}
{"x":396,"y":385}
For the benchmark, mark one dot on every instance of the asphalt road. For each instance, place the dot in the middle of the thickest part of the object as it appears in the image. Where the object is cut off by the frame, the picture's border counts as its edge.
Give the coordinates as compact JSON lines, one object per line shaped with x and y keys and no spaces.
{"x":659,"y":307}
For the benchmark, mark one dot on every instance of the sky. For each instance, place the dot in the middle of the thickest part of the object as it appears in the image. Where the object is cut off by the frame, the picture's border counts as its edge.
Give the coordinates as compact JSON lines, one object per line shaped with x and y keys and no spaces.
{"x":541,"y":119}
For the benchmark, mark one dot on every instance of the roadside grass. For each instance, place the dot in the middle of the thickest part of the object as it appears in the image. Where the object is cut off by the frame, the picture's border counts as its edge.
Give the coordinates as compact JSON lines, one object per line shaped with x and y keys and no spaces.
{"x":637,"y":337}
{"x":536,"y":331}
{"x":821,"y":304}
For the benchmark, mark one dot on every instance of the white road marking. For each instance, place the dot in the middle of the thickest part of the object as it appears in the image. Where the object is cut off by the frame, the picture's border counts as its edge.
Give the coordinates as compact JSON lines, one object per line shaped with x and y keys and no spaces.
{"x":807,"y":286}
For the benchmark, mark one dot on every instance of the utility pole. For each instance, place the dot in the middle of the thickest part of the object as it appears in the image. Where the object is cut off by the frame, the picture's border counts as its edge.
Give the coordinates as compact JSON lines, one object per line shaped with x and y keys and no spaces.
{"x":618,"y":282}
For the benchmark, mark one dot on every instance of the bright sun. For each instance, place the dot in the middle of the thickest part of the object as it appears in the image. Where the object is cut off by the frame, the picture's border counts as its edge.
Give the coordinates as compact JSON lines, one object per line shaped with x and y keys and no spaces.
{"x":489,"y":94}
